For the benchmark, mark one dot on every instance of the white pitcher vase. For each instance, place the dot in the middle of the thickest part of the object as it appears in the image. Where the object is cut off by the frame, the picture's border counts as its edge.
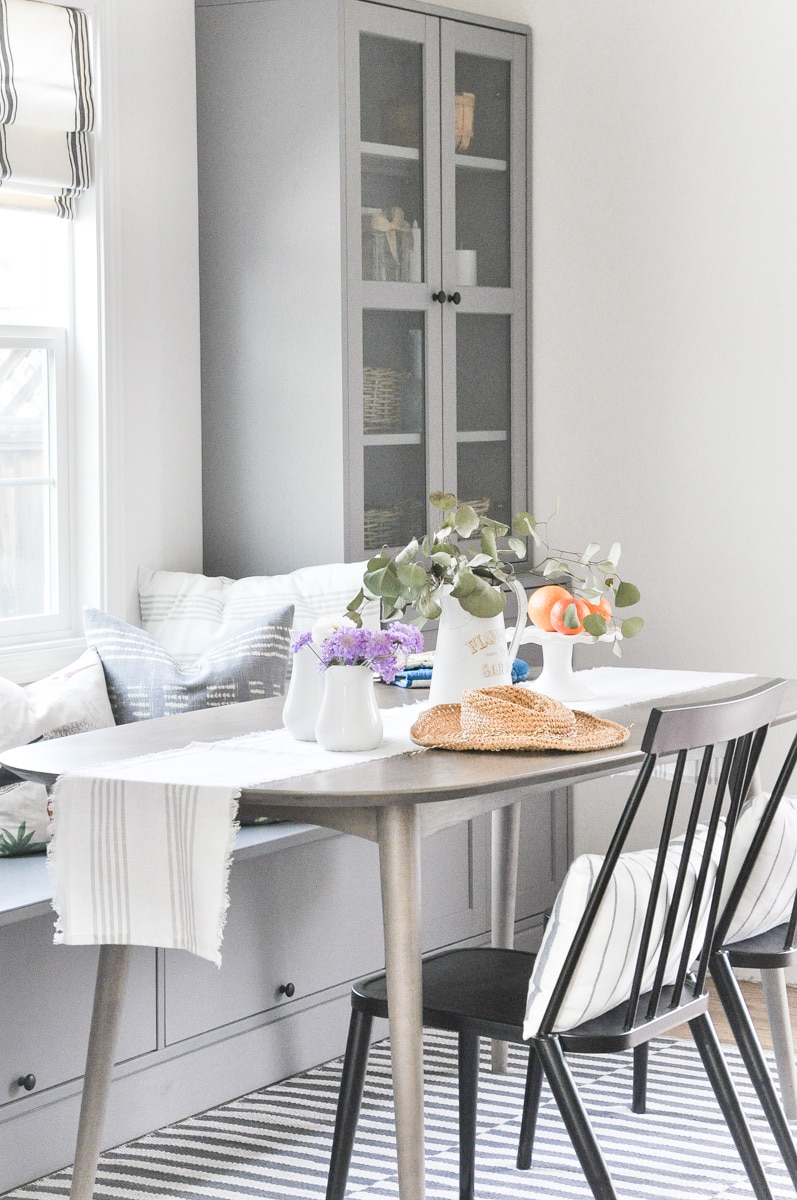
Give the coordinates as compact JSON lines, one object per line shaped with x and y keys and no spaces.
{"x":472,"y":652}
{"x":348,"y":718}
{"x":305,"y":689}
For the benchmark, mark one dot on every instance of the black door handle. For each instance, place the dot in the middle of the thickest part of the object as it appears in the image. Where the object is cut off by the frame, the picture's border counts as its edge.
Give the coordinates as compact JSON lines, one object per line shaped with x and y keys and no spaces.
{"x":454,"y":297}
{"x":440,"y":296}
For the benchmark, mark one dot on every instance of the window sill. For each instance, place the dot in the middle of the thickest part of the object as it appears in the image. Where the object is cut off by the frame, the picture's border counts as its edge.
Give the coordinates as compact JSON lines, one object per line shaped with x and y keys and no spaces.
{"x":27,"y":663}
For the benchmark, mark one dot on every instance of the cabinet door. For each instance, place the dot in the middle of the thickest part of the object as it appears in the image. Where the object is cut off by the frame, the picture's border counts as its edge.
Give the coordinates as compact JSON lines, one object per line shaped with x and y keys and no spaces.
{"x":483,"y":178}
{"x":436,"y":218}
{"x":46,"y":996}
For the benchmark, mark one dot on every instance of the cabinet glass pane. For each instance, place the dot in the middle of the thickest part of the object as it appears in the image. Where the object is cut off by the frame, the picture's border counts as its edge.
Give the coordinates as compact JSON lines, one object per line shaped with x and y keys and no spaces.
{"x":394,"y":421}
{"x":481,"y":140}
{"x":483,"y":411}
{"x":391,"y":132}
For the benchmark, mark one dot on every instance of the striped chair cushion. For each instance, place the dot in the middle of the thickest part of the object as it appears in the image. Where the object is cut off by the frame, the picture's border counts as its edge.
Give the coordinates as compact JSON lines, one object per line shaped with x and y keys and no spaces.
{"x":189,"y":613}
{"x":604,"y":974}
{"x":767,"y":899}
{"x":144,"y":680}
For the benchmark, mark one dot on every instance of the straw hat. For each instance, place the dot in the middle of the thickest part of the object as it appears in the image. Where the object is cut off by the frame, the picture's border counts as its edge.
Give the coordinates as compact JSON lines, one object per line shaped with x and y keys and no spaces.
{"x":513,"y":718}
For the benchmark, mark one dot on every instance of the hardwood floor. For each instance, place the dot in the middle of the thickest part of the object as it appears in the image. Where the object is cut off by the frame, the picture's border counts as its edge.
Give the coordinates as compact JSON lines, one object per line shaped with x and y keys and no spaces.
{"x":755,"y":1002}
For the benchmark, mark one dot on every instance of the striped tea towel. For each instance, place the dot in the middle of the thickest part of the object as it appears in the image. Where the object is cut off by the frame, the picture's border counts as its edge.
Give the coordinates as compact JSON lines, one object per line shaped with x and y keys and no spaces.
{"x":421,"y":677}
{"x":141,"y":849}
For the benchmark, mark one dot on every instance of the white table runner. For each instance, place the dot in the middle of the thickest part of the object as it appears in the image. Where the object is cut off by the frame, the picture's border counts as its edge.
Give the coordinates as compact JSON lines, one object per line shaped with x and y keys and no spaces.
{"x":141,"y":849}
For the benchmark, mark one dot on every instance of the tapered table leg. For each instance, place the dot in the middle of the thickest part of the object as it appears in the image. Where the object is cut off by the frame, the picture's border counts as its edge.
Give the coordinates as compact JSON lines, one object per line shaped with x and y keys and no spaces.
{"x":399,"y":862}
{"x":505,"y":841}
{"x":109,"y":991}
{"x":773,"y":984}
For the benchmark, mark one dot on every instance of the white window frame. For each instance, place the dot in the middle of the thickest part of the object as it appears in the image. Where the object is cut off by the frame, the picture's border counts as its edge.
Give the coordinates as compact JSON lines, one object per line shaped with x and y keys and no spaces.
{"x":41,"y":626}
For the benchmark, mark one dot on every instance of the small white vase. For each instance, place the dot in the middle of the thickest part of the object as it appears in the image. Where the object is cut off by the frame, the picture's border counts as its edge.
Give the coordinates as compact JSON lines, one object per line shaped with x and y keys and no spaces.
{"x":305,"y":689}
{"x":348,"y":718}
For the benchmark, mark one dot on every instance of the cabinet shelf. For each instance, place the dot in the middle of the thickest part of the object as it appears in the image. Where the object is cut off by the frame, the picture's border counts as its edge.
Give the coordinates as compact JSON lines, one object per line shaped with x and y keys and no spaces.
{"x":392,"y":439}
{"x":385,"y":150}
{"x":474,"y":163}
{"x":482,"y":435}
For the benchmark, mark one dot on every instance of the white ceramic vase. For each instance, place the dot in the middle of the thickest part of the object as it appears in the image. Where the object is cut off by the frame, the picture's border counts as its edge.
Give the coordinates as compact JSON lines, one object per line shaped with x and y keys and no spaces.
{"x":472,"y":652}
{"x":348,"y":718}
{"x":305,"y":689}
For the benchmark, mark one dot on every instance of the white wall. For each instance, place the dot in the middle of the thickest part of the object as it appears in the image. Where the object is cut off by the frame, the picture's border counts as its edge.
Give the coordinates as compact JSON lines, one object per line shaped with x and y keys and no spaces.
{"x":664,"y":297}
{"x":152,"y":292}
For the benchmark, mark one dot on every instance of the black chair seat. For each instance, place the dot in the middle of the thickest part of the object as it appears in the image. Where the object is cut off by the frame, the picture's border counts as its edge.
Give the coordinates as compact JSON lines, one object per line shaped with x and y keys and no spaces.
{"x":769,"y":949}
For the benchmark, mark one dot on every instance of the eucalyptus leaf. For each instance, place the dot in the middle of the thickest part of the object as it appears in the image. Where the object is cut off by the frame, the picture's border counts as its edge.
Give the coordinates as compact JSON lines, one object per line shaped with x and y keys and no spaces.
{"x":614,"y":554}
{"x":412,"y":576}
{"x":631,"y":626}
{"x":466,"y":521}
{"x":489,"y":543}
{"x":409,"y":553}
{"x":591,"y":550}
{"x":626,"y":595}
{"x":465,"y":583}
{"x":443,"y":500}
{"x":484,"y":600}
{"x":617,"y":649}
{"x":570,"y":617}
{"x":524,"y":525}
{"x":517,"y":546}
{"x":595,"y":623}
{"x":428,"y":606}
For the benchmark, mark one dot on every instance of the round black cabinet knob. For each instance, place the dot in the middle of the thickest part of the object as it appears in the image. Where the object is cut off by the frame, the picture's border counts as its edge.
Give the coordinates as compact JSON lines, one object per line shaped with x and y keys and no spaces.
{"x":454,"y":297}
{"x":28,"y":1082}
{"x":286,"y":989}
{"x":440,"y":297}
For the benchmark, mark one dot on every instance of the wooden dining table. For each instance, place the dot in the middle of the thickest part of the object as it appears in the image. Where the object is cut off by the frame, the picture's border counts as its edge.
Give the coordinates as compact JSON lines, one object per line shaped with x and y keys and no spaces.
{"x":395,"y":802}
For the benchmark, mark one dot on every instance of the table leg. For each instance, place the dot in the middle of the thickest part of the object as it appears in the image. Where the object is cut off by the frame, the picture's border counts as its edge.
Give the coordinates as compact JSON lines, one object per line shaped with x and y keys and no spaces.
{"x":399,"y":864}
{"x":112,"y":972}
{"x":505,"y":842}
{"x":773,"y":982}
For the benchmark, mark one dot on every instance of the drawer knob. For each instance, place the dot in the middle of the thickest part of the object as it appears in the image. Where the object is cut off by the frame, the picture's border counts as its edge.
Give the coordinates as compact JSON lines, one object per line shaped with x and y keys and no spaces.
{"x":28,"y":1082}
{"x":440,"y":296}
{"x":286,"y":989}
{"x":454,"y":297}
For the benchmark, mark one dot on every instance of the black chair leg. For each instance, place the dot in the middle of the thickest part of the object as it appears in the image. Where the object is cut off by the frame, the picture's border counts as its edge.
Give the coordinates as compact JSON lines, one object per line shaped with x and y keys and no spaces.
{"x":743,"y":1030}
{"x":575,"y":1117}
{"x":531,"y":1106}
{"x":468,"y":1058}
{"x":717,"y":1070}
{"x":352,"y":1080}
{"x":639,"y":1101}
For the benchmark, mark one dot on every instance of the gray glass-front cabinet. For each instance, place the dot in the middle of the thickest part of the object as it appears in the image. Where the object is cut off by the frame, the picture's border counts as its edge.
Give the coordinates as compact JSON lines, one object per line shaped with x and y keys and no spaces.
{"x":363,"y":245}
{"x":436,"y":138}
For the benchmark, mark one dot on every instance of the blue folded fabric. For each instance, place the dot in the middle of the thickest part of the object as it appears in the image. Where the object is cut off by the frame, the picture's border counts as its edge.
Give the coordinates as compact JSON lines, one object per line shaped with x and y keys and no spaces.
{"x":421,"y":676}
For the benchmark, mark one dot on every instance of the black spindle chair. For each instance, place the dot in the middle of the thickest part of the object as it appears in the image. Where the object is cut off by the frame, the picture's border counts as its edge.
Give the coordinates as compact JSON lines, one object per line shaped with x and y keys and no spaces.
{"x":486,"y":991}
{"x":757,"y":928}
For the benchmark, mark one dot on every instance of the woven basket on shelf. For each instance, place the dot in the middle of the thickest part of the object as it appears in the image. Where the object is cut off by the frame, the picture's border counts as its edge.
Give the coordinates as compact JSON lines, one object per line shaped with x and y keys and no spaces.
{"x":382,"y":527}
{"x":479,"y":506}
{"x":382,"y":388}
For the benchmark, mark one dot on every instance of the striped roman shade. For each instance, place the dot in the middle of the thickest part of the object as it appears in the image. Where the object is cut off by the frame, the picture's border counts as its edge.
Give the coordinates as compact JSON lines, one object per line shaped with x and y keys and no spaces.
{"x":46,"y":106}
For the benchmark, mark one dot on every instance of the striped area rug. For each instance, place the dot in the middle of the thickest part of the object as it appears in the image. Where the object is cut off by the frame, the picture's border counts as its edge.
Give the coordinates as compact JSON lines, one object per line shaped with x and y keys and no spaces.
{"x":274,"y":1144}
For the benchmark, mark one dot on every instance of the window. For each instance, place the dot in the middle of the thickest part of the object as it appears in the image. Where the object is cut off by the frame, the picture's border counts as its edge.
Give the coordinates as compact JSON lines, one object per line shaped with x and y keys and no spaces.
{"x":35,"y":285}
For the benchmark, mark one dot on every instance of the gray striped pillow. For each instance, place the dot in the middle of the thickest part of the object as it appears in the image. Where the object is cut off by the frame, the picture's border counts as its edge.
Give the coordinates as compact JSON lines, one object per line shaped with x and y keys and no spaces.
{"x":144,"y":681}
{"x":767,"y":899}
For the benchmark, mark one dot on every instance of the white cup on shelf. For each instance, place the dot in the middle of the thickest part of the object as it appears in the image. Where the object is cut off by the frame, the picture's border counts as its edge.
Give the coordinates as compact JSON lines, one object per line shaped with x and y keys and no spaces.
{"x":466,"y":267}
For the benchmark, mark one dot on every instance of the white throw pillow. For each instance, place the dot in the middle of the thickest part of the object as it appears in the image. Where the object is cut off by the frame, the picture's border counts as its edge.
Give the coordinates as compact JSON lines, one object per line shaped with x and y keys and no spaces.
{"x":605,"y":972}
{"x":188,"y":613}
{"x":72,"y":700}
{"x":767,"y":899}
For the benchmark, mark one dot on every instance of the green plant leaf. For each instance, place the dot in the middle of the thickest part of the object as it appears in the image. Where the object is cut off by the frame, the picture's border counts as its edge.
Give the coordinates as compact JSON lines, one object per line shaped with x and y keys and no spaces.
{"x":591,"y":550}
{"x":428,"y":606}
{"x":614,"y":555}
{"x":409,"y":553}
{"x":517,"y":546}
{"x":413,"y":577}
{"x":489,"y":544}
{"x":595,"y":623}
{"x":466,"y":521}
{"x":626,"y":595}
{"x":631,"y":626}
{"x":465,"y":583}
{"x":484,"y":601}
{"x":570,"y":617}
{"x":524,"y":525}
{"x":443,"y":500}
